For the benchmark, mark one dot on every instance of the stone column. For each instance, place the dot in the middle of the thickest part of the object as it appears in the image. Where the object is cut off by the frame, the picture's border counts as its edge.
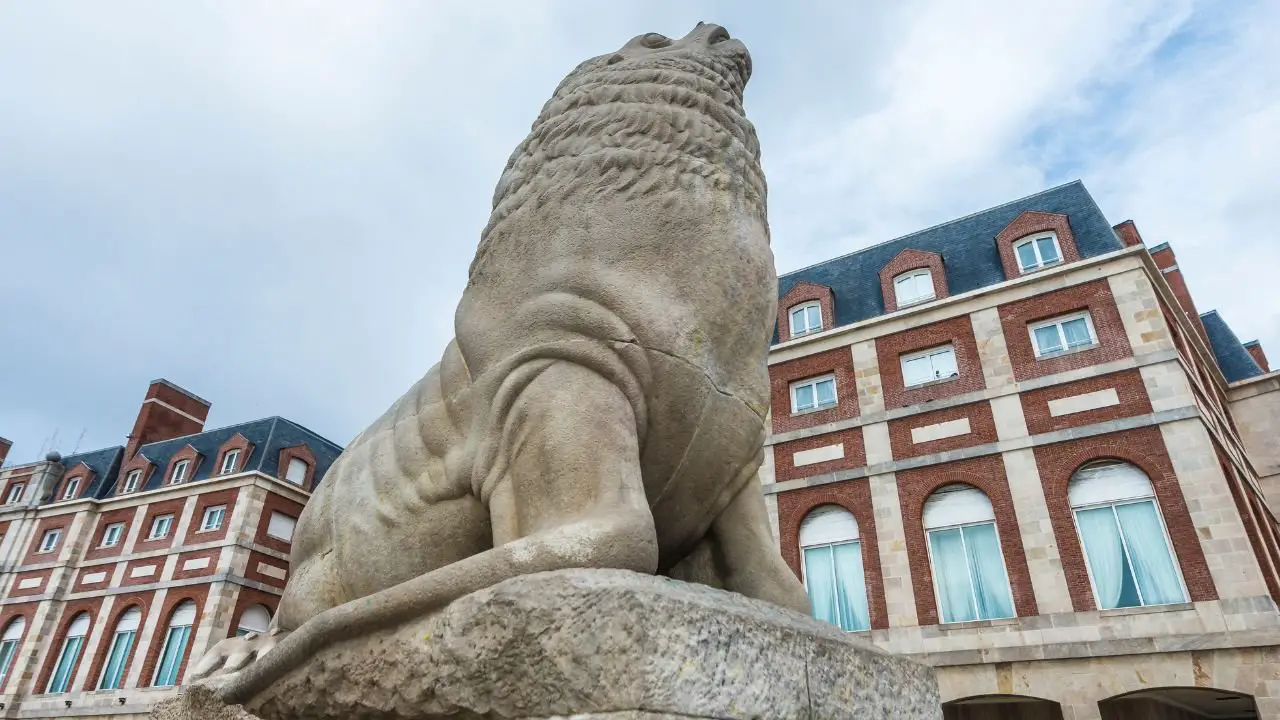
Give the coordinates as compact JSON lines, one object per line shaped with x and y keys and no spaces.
{"x":866,"y":375}
{"x":1139,"y":308}
{"x":993,"y":352}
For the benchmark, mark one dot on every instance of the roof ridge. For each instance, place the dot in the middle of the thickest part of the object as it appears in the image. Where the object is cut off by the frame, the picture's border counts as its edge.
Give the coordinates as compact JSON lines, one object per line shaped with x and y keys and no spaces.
{"x":952,"y":221}
{"x":209,"y":430}
{"x":311,"y":432}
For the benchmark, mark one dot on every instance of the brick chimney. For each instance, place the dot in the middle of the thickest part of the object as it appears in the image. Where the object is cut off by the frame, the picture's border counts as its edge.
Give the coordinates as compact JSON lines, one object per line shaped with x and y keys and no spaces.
{"x":1254,"y":347}
{"x":1168,"y":264}
{"x":4,"y":449}
{"x":1128,"y":233}
{"x":167,"y":412}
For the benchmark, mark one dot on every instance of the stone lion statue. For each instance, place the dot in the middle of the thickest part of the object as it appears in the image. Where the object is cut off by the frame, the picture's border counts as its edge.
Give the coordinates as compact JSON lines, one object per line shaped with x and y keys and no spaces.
{"x":603,"y":404}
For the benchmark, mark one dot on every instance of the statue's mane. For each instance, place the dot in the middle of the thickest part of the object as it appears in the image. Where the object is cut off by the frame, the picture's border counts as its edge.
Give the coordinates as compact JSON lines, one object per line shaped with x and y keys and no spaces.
{"x":635,"y":126}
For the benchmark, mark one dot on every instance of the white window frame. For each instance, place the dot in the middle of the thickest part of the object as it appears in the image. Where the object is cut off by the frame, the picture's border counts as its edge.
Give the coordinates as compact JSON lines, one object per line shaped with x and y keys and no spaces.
{"x":156,"y":522}
{"x":1035,"y":247}
{"x":835,"y":392}
{"x":209,"y":512}
{"x":306,"y":467}
{"x":230,"y":459}
{"x":857,"y":540}
{"x":125,"y":635}
{"x":178,"y":477}
{"x":908,"y":275}
{"x":106,"y":534}
{"x":45,"y":545}
{"x":73,"y":486}
{"x":15,"y":494}
{"x":131,"y":482}
{"x":76,"y":655}
{"x":803,"y":310}
{"x":169,"y":635}
{"x":1059,"y":321}
{"x":933,"y":575}
{"x":936,"y":350}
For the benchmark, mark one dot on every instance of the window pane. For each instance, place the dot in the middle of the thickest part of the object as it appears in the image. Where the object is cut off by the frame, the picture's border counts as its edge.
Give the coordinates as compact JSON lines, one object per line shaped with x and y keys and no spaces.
{"x":171,"y":660}
{"x":827,"y":392}
{"x":1048,"y":340}
{"x":851,"y":587}
{"x":804,"y":397}
{"x":1112,"y":576}
{"x":1048,"y":253}
{"x":1027,"y":256}
{"x":813,"y":317}
{"x":7,"y":649}
{"x":797,"y":320}
{"x":819,"y":579}
{"x":66,"y":662}
{"x":1077,"y":332}
{"x":916,"y":371}
{"x":114,"y":673}
{"x":986,"y":569}
{"x":951,"y":574}
{"x":944,"y":363}
{"x":1153,"y":567}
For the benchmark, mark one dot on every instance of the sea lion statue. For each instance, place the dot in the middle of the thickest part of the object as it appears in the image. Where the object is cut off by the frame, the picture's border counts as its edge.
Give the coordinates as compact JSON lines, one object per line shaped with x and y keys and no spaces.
{"x":604,"y":402}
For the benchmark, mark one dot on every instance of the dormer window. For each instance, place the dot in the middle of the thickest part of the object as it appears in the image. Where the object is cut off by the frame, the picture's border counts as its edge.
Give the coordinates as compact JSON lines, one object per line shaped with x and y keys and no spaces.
{"x":73,"y":485}
{"x":15,"y":493}
{"x":180,"y":472}
{"x":297,"y":471}
{"x":806,"y":318}
{"x":1038,"y":251}
{"x":131,"y":481}
{"x":229,"y":462}
{"x":913,"y":287}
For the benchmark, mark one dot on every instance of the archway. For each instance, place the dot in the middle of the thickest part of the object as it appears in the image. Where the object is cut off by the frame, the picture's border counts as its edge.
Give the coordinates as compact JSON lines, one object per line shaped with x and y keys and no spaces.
{"x":1001,"y":707}
{"x":1180,"y":703}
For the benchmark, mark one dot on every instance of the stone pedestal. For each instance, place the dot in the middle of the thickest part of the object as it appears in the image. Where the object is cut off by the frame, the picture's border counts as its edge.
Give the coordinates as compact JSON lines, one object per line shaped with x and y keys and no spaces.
{"x":596,"y":644}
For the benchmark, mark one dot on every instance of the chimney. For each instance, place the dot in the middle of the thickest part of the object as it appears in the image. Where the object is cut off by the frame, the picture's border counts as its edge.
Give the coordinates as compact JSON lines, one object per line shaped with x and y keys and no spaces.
{"x":1164,"y":258}
{"x":4,"y":449}
{"x":1128,"y":233}
{"x":1254,"y":347}
{"x":167,"y":412}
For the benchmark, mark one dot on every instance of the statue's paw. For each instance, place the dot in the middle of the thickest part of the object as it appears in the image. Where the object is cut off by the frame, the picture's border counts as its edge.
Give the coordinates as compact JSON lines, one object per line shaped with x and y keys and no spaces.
{"x":234,"y":654}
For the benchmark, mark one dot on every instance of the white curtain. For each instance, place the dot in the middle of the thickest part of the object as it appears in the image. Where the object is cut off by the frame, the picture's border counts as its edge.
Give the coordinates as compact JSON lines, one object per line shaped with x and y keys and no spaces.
{"x":1077,"y":332}
{"x":986,"y":568}
{"x":851,"y":586}
{"x":819,"y":577}
{"x":1105,"y":554}
{"x":1153,"y":567}
{"x":950,"y":571}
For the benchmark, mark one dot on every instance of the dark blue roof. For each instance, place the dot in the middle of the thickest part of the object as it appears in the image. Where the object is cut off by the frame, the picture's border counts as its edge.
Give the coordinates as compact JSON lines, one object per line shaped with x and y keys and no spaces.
{"x":268,"y":436}
{"x":967,"y":246}
{"x":1236,"y":362}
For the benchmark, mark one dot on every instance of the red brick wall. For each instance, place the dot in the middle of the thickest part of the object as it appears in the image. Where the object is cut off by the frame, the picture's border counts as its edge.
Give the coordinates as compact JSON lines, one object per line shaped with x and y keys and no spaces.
{"x":57,"y":522}
{"x":155,"y":422}
{"x":83,"y":473}
{"x":890,"y":349}
{"x":197,"y":594}
{"x":237,"y":442}
{"x":855,"y":455}
{"x":9,"y":613}
{"x":987,"y":474}
{"x":1128,"y":233}
{"x":81,"y":586}
{"x":910,"y":259}
{"x":168,"y":507}
{"x":302,"y":452}
{"x":838,"y":361}
{"x":854,"y":496}
{"x":69,"y":613}
{"x":251,"y":569}
{"x":16,"y":591}
{"x":1015,"y":317}
{"x":1145,"y":448}
{"x":95,"y":550}
{"x":275,"y":503}
{"x":982,"y":430}
{"x":16,"y":479}
{"x":251,"y":596}
{"x":203,"y":502}
{"x":212,"y":554}
{"x":123,"y":603}
{"x":1128,"y":386}
{"x":803,"y":292}
{"x":1030,"y":223}
{"x":193,"y":459}
{"x":1259,"y":357}
{"x":157,"y":561}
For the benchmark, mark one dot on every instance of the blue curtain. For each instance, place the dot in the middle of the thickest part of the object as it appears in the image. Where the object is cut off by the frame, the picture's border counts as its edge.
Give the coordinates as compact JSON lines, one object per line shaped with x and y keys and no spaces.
{"x":851,"y":587}
{"x":986,"y":569}
{"x":66,"y":663}
{"x":819,"y":576}
{"x":950,"y":571}
{"x":1153,"y":568}
{"x":112,"y":677}
{"x":171,"y":660}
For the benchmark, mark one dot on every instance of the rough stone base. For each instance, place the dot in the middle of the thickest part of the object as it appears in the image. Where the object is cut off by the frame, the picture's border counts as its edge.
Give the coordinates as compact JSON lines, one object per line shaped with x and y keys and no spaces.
{"x":601,"y":644}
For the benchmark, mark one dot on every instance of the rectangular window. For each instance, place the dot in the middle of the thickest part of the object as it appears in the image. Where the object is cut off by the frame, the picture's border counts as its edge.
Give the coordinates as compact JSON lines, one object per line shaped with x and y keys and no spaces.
{"x":1059,"y":335}
{"x":968,"y":570}
{"x":15,"y":493}
{"x":229,"y":462}
{"x":160,"y":527}
{"x":923,"y":367}
{"x":50,"y":540}
{"x":815,"y":394}
{"x":180,"y":471}
{"x":112,"y":534}
{"x":113,"y":674}
{"x":1128,"y":556}
{"x":131,"y":481}
{"x":913,"y":287}
{"x":7,"y":650}
{"x":836,"y":585}
{"x":175,"y":645}
{"x":296,"y":472}
{"x":66,"y":663}
{"x":806,"y":319}
{"x":1038,"y":252}
{"x":280,"y":526}
{"x":73,"y":485}
{"x":213,"y":518}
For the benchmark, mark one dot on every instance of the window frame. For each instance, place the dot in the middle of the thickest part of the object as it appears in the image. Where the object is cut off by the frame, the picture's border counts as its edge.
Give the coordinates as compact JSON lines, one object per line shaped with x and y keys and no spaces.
{"x":1059,"y":321}
{"x":106,"y":534}
{"x":15,"y":494}
{"x":835,"y":393}
{"x":62,"y":657}
{"x":208,"y":512}
{"x":933,"y":575}
{"x":71,"y":488}
{"x":230,"y":459}
{"x":175,"y":477}
{"x":131,"y":638}
{"x":56,"y":534}
{"x":803,"y":309}
{"x":930,"y":352}
{"x":176,"y":668}
{"x":909,"y":274}
{"x":155,"y":521}
{"x":306,"y":468}
{"x":9,"y":647}
{"x":1033,"y":241}
{"x":132,"y":481}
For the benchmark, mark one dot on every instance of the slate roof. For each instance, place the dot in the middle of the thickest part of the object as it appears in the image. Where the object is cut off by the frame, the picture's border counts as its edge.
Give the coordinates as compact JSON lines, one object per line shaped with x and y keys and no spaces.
{"x":967,"y":246}
{"x":268,"y":436}
{"x":1236,"y":362}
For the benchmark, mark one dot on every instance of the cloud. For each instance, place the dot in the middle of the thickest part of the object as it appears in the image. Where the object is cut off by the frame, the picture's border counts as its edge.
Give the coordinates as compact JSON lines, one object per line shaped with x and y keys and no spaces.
{"x":274,"y":205}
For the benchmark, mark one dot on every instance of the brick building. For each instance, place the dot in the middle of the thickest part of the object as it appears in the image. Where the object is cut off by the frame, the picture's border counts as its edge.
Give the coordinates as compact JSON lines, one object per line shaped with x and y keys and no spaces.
{"x":1011,"y":446}
{"x":121,"y":565}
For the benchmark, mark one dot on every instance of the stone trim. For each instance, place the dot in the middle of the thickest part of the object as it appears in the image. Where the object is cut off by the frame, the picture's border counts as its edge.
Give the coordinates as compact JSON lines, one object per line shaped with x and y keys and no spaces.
{"x":906,"y":261}
{"x":1033,"y":222}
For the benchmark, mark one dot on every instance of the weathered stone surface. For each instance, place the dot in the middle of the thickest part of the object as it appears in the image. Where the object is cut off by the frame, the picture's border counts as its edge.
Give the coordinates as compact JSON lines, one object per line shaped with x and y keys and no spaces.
{"x":603,"y":644}
{"x":199,"y":703}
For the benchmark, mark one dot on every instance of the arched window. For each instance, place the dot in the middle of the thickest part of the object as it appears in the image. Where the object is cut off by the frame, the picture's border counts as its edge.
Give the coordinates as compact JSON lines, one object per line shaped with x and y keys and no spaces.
{"x":121,"y":645}
{"x":1125,"y":543}
{"x":175,"y":644}
{"x":833,"y":572}
{"x":70,"y":654}
{"x":9,"y":645}
{"x":296,"y":472}
{"x":256,"y":618}
{"x":964,"y":550}
{"x":913,"y":286}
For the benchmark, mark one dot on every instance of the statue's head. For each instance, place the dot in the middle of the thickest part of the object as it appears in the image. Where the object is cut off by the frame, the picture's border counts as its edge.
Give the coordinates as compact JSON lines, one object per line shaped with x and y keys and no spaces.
{"x":708,"y":45}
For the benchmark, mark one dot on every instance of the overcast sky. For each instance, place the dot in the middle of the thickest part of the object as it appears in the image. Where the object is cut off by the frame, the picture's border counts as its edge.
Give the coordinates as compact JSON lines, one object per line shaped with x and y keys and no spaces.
{"x":274,"y":204}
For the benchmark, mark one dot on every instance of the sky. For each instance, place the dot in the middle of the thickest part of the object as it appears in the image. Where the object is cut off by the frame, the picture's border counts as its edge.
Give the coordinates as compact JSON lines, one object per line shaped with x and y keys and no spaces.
{"x":274,"y":205}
